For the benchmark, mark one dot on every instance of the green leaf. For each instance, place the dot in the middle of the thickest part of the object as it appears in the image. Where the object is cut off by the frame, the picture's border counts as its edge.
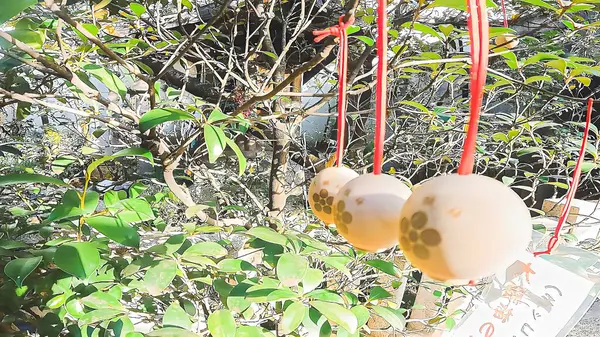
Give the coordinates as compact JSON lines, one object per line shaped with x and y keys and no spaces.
{"x":281,"y":295}
{"x":215,"y":140}
{"x":155,"y":117}
{"x":100,"y":300}
{"x":205,"y":249}
{"x":338,"y":262}
{"x":367,"y":40}
{"x":116,"y":230}
{"x":11,"y":8}
{"x":217,"y":115}
{"x":423,"y":29}
{"x":325,"y":296}
{"x":352,"y":29}
{"x":221,"y":324}
{"x":122,"y":327}
{"x":312,"y":279}
{"x":540,"y":57}
{"x":528,"y":150}
{"x":586,"y":81}
{"x":137,"y":9}
{"x":586,"y":166}
{"x":337,"y":314}
{"x":56,"y":301}
{"x":540,"y":3}
{"x":268,"y":235}
{"x":362,"y":315}
{"x":378,"y":293}
{"x":75,"y":308}
{"x":249,"y":331}
{"x":458,"y":4}
{"x":137,"y":189}
{"x":135,"y":151}
{"x":511,"y":60}
{"x":107,"y":77}
{"x":22,"y":178}
{"x":34,"y":39}
{"x":160,"y":276}
{"x":19,"y":269}
{"x":291,"y":269}
{"x":392,"y":316}
{"x":560,"y":65}
{"x":80,"y":259}
{"x":446,"y":29}
{"x":384,"y":266}
{"x":538,"y":78}
{"x":170,"y":246}
{"x":292,"y":317}
{"x":69,"y":207}
{"x":171,"y":332}
{"x":134,"y":210}
{"x":239,"y":154}
{"x":450,"y":323}
{"x":236,"y":300}
{"x":61,"y":163}
{"x":234,"y":266}
{"x":99,"y":315}
{"x":271,"y":55}
{"x":416,"y":105}
{"x":175,"y":316}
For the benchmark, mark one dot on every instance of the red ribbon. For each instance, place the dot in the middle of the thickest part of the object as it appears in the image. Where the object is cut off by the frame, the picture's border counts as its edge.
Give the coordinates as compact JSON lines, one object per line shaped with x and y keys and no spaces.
{"x":574,"y":183}
{"x":479,"y":35}
{"x":339,"y":31}
{"x":381,"y":92}
{"x":504,"y":14}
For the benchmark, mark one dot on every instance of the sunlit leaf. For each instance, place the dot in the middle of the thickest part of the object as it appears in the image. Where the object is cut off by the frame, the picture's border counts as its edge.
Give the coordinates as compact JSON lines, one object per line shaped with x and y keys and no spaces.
{"x":175,"y":316}
{"x":221,"y":324}
{"x":291,"y":269}
{"x":337,"y":314}
{"x":155,"y":117}
{"x":292,"y":317}
{"x":160,"y":276}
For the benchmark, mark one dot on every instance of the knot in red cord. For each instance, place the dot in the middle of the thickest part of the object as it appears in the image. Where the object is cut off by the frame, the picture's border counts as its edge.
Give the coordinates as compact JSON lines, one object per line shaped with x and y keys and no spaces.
{"x":334,"y":30}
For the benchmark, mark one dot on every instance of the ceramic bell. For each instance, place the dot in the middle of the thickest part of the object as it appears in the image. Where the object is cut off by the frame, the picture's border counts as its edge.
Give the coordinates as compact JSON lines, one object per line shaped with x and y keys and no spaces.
{"x":366,"y":211}
{"x":463,"y":227}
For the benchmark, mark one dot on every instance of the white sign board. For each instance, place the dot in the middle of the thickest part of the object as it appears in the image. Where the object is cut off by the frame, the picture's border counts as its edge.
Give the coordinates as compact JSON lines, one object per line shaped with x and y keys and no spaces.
{"x":533,"y":298}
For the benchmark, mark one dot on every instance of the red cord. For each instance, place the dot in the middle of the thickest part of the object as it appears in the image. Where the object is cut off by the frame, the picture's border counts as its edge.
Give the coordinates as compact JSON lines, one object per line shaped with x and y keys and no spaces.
{"x":339,"y":31}
{"x":381,"y":94}
{"x":504,"y":13}
{"x":574,"y":183}
{"x":478,"y":24}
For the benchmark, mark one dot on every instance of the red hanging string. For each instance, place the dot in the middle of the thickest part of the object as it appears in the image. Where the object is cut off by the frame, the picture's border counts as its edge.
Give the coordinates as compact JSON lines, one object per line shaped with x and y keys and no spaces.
{"x":381,"y":93}
{"x":504,"y":13}
{"x":340,"y":32}
{"x":574,"y":183}
{"x":479,"y":36}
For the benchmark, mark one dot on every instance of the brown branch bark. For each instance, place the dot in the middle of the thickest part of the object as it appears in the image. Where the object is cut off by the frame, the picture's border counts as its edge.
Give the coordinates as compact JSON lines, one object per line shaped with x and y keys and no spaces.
{"x":322,"y":55}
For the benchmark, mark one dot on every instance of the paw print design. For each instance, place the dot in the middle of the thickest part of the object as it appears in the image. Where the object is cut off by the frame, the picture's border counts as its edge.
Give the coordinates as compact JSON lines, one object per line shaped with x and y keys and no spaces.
{"x":323,"y":201}
{"x":414,"y":236}
{"x":342,"y":218}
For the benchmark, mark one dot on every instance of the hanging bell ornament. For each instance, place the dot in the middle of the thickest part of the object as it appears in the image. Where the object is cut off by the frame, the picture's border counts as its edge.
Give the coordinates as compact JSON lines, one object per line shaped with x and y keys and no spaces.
{"x":464,"y":227}
{"x":508,"y":41}
{"x":323,"y":189}
{"x":366,"y":211}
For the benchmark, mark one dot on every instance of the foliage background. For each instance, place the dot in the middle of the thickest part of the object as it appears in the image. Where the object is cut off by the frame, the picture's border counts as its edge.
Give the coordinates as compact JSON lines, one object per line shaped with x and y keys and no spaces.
{"x":155,"y":156}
